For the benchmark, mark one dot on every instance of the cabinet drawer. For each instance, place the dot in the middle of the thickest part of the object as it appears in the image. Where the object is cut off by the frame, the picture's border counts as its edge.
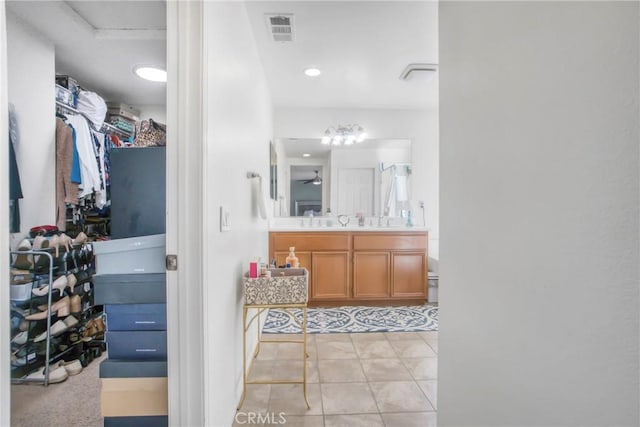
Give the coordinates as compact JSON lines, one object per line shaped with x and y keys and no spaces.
{"x":310,"y":241}
{"x":136,"y":317}
{"x":136,"y":345}
{"x":390,"y":242}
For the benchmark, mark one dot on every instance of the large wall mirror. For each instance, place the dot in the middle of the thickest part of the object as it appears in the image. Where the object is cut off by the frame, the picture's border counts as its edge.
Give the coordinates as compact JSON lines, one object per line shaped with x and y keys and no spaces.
{"x":273,"y":171}
{"x":372,"y":178}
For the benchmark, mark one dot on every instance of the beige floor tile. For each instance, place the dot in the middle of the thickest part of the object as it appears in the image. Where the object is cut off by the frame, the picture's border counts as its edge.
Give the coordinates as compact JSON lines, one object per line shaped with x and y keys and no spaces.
{"x":303,"y":421}
{"x":385,"y":370}
{"x":414,"y":419}
{"x":430,"y":389}
{"x":288,"y":398}
{"x":332,"y":337}
{"x":400,"y":336}
{"x":425,"y":368}
{"x":433,"y":345}
{"x":257,"y":398}
{"x":291,"y":370}
{"x":412,"y":348}
{"x":358,"y":420}
{"x":374,"y":349}
{"x":368,"y":336}
{"x":429,"y":335}
{"x":336,"y":350}
{"x":338,"y":371}
{"x":347,"y":398}
{"x":261,"y":370}
{"x":399,"y":396}
{"x":290,"y":351}
{"x":268,"y":351}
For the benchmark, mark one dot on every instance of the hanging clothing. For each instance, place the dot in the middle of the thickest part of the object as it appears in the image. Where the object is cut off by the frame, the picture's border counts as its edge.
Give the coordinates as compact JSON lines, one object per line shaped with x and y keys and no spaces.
{"x":99,"y":145}
{"x":93,"y":106}
{"x":15,"y":187}
{"x":76,"y":177}
{"x":87,"y":155}
{"x":66,"y":191}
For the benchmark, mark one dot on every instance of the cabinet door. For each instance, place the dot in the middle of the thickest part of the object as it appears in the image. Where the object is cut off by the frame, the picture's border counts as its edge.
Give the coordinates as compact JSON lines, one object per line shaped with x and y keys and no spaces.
{"x":371,"y":274}
{"x":330,"y":275}
{"x":304,"y":258}
{"x":409,"y":275}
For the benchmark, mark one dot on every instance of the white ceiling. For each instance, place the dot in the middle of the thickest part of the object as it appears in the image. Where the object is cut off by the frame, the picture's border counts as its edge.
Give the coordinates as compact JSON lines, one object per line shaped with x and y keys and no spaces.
{"x":361,"y":47}
{"x":99,"y":43}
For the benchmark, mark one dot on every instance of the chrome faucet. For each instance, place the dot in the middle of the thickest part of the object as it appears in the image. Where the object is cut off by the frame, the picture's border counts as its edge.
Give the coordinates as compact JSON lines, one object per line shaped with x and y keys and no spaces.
{"x":311,"y":219}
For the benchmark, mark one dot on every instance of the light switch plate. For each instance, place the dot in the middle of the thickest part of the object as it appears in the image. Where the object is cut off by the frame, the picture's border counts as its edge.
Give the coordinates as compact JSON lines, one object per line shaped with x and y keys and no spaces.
{"x":224,"y":219}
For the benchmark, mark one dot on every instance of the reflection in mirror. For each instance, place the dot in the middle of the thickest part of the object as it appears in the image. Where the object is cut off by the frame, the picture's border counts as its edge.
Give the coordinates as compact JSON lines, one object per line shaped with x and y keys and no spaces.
{"x":273,"y":172}
{"x":353,"y":178}
{"x":306,"y":190}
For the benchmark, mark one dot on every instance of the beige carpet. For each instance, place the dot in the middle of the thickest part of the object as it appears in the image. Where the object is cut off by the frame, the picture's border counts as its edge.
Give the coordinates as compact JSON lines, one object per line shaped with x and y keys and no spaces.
{"x":72,"y":403}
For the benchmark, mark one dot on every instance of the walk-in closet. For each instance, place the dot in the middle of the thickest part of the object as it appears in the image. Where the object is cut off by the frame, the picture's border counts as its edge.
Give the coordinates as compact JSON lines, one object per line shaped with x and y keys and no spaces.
{"x":87,"y":138}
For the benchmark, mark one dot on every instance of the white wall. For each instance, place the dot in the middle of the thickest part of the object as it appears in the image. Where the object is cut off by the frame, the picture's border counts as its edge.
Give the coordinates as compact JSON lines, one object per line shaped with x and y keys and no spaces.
{"x":155,"y":112}
{"x":239,"y":126}
{"x":540,"y":185}
{"x":31,"y":78}
{"x":419,"y":126}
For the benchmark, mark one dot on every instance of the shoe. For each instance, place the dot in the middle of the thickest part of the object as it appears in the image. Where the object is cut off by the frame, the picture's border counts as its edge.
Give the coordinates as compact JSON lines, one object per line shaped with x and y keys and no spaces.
{"x":23,"y":261}
{"x":71,"y":282}
{"x":55,"y":243}
{"x":21,"y":338}
{"x":75,"y":304}
{"x":61,"y":307}
{"x":99,"y":322}
{"x":70,"y":321}
{"x":56,"y":329}
{"x":73,"y":367}
{"x":39,"y":244}
{"x":66,"y":241}
{"x":57,"y":374}
{"x":60,"y":283}
{"x":80,"y":239}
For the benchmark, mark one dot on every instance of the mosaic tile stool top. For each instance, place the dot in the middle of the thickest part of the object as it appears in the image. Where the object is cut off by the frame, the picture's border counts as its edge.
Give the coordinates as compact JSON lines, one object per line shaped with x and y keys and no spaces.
{"x":285,"y":286}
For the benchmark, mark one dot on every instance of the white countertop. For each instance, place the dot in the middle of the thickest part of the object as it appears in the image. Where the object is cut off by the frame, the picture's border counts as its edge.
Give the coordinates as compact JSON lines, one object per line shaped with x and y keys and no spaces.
{"x":350,"y":228}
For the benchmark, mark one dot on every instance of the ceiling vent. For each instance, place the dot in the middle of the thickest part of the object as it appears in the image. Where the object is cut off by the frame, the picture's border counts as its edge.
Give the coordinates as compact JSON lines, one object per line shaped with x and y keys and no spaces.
{"x":418,"y":69}
{"x":280,"y":27}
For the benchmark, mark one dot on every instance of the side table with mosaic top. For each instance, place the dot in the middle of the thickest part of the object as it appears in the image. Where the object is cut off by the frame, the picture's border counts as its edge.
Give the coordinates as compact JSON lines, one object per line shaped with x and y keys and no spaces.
{"x":287,"y":288}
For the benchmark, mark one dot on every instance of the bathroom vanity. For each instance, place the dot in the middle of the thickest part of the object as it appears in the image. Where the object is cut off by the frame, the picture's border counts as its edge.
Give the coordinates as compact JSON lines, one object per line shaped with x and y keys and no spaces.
{"x":365,"y":265}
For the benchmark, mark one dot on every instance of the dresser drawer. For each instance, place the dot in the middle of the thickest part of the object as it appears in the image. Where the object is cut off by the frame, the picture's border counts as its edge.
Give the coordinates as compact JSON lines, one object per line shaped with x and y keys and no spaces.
{"x":130,"y":288}
{"x":309,"y":241}
{"x":136,"y":317}
{"x":137,"y":345}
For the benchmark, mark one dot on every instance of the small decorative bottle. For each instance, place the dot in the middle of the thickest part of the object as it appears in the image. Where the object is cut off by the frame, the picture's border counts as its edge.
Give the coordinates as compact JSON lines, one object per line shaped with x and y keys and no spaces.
{"x":292,"y":259}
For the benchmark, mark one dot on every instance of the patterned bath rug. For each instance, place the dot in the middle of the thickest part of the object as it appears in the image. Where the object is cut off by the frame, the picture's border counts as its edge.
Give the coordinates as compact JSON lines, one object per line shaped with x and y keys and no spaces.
{"x":354,"y":319}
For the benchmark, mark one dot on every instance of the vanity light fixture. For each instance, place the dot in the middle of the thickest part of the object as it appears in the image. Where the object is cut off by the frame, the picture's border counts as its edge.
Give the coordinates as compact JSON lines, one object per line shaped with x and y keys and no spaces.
{"x":344,"y":134}
{"x":312,"y":72}
{"x":152,"y":74}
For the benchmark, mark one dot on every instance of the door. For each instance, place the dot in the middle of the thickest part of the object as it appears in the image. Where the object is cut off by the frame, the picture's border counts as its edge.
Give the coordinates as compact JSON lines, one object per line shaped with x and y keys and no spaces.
{"x":356,"y":191}
{"x":371,"y":274}
{"x":330,"y":275}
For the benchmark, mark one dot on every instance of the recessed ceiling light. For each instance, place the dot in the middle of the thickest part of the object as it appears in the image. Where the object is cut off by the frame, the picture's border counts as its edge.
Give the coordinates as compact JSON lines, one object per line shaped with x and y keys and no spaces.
{"x":306,"y":155}
{"x":312,"y":72}
{"x":153,"y":74}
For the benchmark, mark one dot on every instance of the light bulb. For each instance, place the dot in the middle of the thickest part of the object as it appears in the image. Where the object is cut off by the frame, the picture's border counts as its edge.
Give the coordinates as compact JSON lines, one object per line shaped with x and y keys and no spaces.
{"x":349,"y":140}
{"x":326,"y":140}
{"x":337,"y":140}
{"x":361,"y":137}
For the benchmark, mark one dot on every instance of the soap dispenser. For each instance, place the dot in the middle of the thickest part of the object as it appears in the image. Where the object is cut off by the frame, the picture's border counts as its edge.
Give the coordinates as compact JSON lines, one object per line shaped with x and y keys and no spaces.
{"x":292,"y":259}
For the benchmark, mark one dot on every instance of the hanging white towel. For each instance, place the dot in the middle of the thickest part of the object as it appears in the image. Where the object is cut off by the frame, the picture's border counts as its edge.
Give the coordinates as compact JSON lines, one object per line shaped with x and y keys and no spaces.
{"x":88,"y":164}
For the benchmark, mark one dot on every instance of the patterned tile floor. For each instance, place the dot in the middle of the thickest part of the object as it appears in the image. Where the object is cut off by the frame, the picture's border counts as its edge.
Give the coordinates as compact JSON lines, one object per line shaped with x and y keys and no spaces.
{"x":362,"y":379}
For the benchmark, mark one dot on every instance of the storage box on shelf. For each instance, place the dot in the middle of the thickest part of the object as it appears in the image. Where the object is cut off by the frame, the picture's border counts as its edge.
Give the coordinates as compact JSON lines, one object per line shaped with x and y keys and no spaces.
{"x":131,"y":284}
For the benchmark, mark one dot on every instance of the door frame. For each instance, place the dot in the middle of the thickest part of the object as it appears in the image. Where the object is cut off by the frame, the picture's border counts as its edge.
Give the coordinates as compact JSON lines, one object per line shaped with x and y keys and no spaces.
{"x":5,"y":334}
{"x":185,"y":337}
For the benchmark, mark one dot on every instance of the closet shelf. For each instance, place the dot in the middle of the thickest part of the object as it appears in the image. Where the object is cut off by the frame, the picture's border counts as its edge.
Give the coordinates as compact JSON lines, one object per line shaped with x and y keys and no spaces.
{"x":106,"y":127}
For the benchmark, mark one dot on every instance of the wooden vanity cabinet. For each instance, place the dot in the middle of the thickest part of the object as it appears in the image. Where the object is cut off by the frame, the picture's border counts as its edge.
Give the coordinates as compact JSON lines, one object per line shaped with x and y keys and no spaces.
{"x":358,"y":267}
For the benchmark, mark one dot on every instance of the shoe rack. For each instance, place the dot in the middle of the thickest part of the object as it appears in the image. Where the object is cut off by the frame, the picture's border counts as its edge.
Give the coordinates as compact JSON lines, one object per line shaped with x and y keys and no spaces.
{"x":53,"y":319}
